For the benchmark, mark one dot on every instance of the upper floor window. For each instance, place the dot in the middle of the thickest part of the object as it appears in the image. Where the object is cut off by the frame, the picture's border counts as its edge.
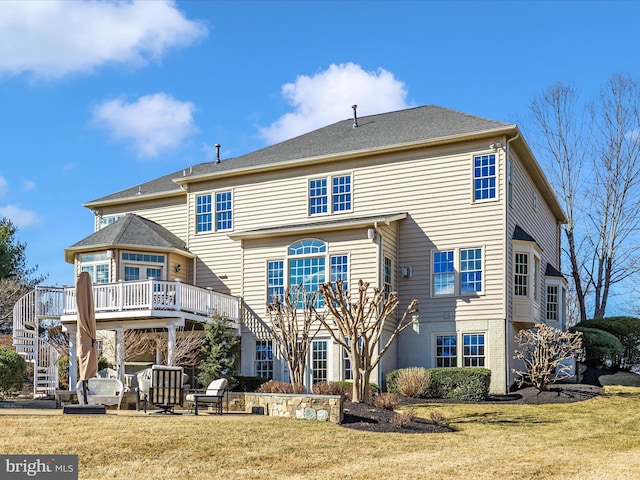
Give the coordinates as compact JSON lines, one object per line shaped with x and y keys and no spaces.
{"x":388,"y":276}
{"x":108,"y":220}
{"x":466,"y":279}
{"x":330,"y":194}
{"x":484,"y":177}
{"x":97,"y":265}
{"x":275,"y":281}
{"x":142,"y":266}
{"x":203,"y":213}
{"x":521,"y":279}
{"x":553,"y":303}
{"x":222,"y":211}
{"x":306,"y":267}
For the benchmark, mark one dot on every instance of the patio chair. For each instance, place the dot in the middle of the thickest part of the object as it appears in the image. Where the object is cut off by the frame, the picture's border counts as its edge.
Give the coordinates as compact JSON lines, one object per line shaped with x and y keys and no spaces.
{"x":166,"y":389}
{"x":213,"y":395}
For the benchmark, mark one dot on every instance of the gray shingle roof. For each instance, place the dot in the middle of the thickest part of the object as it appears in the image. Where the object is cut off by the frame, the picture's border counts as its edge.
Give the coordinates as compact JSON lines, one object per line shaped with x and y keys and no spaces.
{"x":375,"y":131}
{"x":132,"y":230}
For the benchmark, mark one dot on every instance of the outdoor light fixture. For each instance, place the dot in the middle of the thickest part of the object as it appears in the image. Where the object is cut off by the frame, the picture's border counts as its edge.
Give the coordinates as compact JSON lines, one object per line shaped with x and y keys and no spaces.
{"x":177,"y":268}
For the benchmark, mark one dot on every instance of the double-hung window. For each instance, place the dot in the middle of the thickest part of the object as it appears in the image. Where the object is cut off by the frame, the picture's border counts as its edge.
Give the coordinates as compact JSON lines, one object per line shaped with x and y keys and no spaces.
{"x":484,"y":177}
{"x":218,"y":214}
{"x":446,"y":351}
{"x":473,"y":350}
{"x":275,"y":281}
{"x":443,"y":273}
{"x":458,"y":271}
{"x":224,"y":212}
{"x":330,"y":194}
{"x":553,"y":303}
{"x":388,"y":276}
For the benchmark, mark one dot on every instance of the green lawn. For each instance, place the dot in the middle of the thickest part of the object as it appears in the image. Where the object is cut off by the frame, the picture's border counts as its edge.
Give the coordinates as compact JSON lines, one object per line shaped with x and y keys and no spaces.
{"x":595,"y":439}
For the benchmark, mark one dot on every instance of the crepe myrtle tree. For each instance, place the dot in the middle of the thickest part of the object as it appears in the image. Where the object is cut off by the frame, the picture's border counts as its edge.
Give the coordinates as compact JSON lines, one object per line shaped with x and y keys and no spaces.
{"x":294,"y":325}
{"x":543,"y":350}
{"x":356,"y":323}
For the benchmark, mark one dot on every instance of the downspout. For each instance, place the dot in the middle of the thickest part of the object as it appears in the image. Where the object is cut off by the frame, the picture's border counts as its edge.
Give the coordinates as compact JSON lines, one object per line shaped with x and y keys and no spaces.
{"x":379,"y":273}
{"x":507,"y":262}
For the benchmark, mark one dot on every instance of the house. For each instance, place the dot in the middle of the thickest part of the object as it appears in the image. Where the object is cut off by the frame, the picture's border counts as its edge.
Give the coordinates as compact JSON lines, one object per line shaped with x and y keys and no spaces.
{"x":442,"y":206}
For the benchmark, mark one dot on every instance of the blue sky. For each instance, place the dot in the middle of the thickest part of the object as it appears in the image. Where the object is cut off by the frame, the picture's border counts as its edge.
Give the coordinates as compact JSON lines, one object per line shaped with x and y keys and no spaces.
{"x":98,"y":97}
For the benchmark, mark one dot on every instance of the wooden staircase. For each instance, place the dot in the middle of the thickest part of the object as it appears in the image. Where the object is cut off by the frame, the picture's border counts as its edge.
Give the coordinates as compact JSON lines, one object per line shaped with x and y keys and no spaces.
{"x":43,"y":303}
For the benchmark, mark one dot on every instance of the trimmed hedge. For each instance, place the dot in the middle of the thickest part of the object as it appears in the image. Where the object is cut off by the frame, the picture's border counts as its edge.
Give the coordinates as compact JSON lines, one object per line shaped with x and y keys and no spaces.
{"x":627,"y":330}
{"x":601,"y":348}
{"x":459,"y":383}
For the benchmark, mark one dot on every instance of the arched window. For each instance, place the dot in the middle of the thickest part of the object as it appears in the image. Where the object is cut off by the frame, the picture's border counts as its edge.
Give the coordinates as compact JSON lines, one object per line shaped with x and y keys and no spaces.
{"x":308,"y":265}
{"x":307,"y":260}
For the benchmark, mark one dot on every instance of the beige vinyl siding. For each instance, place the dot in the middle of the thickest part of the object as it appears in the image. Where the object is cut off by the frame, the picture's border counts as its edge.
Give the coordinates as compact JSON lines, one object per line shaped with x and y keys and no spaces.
{"x":538,"y":222}
{"x":170,"y":212}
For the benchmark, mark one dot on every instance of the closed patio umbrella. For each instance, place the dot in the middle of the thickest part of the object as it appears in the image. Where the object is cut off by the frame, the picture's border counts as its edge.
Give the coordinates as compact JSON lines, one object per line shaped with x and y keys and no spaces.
{"x":87,"y":348}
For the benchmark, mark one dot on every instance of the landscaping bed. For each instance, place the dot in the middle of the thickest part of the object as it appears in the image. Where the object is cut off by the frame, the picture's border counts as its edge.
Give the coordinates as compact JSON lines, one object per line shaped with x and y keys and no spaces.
{"x":360,"y":416}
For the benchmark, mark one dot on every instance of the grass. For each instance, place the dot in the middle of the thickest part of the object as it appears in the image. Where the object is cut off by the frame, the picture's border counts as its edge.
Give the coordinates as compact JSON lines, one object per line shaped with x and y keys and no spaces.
{"x":588,"y":440}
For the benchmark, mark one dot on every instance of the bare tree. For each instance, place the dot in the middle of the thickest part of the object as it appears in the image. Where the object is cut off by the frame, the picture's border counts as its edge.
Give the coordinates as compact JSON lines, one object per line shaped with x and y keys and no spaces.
{"x":357,"y":323}
{"x":141,"y":343}
{"x":565,"y":127}
{"x":294,"y":325}
{"x":187,"y":348}
{"x":593,"y":152}
{"x":544,"y":349}
{"x":615,"y":209}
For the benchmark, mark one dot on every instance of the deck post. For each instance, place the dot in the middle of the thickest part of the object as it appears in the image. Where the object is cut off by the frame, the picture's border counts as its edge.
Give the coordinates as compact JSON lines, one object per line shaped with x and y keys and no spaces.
{"x":171,"y":344}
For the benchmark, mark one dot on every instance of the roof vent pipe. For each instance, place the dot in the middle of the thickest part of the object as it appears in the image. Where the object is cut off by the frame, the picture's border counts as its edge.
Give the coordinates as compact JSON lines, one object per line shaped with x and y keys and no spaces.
{"x":217,"y":153}
{"x":355,"y":116}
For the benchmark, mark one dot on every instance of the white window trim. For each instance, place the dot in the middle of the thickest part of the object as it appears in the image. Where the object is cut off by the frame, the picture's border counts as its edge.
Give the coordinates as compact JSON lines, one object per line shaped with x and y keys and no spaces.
{"x":562,"y":310}
{"x":461,"y":355}
{"x":106,"y":220}
{"x":214,"y":211}
{"x":329,"y":179}
{"x":309,"y":374}
{"x":473,"y":178}
{"x":434,"y":347}
{"x":144,"y":265}
{"x":285,"y":259}
{"x":456,"y":272}
{"x":273,"y":356}
{"x":533,"y":286}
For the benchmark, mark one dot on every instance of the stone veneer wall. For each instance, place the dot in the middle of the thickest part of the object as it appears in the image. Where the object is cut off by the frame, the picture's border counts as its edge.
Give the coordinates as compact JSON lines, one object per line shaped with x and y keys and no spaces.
{"x":324,"y":408}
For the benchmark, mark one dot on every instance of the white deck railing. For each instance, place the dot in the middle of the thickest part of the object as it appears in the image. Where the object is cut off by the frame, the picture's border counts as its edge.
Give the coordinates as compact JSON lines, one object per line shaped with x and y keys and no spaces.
{"x":157,"y":295}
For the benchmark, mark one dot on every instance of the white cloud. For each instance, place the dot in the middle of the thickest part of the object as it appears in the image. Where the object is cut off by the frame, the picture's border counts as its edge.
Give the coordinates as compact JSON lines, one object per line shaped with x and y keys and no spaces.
{"x":327,"y":97}
{"x":153,"y":122}
{"x":21,"y":218}
{"x":4,"y":186}
{"x":54,"y":38}
{"x":28,"y":185}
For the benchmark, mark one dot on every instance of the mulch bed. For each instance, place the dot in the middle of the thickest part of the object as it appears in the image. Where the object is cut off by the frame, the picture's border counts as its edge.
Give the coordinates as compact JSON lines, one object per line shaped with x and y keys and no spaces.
{"x":360,"y":416}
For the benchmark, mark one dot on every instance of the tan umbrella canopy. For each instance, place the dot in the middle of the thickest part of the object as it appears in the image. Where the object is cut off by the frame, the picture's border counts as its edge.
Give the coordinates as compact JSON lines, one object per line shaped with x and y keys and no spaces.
{"x":87,"y":348}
